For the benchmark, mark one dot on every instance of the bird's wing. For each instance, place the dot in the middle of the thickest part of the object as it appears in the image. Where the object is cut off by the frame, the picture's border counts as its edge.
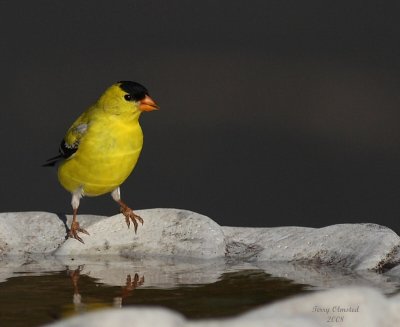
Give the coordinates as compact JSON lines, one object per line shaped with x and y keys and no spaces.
{"x":70,"y":143}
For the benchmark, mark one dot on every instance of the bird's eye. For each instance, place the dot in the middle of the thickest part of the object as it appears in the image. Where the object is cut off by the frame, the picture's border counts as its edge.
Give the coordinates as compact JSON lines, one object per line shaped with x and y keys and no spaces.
{"x":128,"y":97}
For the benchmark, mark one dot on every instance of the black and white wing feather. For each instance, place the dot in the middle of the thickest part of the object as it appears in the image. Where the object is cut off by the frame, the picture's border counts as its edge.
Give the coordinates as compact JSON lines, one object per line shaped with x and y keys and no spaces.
{"x":69,"y":144}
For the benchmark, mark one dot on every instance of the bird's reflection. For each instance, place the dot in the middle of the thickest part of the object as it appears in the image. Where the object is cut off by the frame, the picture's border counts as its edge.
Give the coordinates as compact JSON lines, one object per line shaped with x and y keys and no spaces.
{"x":77,"y":298}
{"x":126,"y":290}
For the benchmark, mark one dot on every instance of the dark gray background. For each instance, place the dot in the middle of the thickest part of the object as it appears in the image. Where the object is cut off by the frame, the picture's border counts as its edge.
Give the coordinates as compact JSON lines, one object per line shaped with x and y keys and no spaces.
{"x":273,"y":112}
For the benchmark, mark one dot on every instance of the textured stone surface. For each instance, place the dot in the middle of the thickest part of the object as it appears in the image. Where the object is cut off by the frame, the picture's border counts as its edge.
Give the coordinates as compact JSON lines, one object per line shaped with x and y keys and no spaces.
{"x":394,"y":273}
{"x":365,"y":307}
{"x":356,"y":246}
{"x":171,"y":247}
{"x":22,"y":233}
{"x":181,"y":233}
{"x":166,"y":232}
{"x":372,"y":308}
{"x":144,"y":317}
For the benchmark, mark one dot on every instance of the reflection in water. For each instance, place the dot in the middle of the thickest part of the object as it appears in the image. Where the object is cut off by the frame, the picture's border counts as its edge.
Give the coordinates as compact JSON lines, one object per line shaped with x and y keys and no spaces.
{"x":39,"y":291}
{"x":127,"y":289}
{"x":77,"y":300}
{"x":29,"y":300}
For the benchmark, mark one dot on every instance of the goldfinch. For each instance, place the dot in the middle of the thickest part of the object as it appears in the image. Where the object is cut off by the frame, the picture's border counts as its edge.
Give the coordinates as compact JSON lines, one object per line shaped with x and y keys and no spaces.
{"x":101,"y":148}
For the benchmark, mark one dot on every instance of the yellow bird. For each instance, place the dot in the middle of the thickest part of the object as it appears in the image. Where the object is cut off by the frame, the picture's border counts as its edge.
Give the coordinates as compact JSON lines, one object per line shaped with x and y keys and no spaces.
{"x":101,"y":148}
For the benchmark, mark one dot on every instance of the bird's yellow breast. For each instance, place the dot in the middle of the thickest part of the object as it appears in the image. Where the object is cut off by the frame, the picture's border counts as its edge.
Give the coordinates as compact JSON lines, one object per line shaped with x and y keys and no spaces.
{"x":106,"y":155}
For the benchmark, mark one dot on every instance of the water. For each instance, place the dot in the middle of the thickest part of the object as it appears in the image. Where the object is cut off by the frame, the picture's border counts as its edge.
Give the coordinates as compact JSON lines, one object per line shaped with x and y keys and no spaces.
{"x":30,"y":298}
{"x":36,"y":291}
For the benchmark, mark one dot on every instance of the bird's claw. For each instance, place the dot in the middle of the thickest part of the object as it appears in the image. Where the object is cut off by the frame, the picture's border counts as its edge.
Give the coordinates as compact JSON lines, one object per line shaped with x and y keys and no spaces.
{"x":136,"y":282}
{"x":130,"y":215}
{"x":75,"y":229}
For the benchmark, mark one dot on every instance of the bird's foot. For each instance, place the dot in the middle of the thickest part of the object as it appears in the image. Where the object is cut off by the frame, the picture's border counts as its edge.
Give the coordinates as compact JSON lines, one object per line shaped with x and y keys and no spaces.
{"x":130,"y":215}
{"x":75,"y":229}
{"x":132,"y":284}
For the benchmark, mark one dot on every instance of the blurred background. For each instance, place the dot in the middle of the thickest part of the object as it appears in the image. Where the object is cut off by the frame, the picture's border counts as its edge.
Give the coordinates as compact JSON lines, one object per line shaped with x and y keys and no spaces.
{"x":272,"y":112}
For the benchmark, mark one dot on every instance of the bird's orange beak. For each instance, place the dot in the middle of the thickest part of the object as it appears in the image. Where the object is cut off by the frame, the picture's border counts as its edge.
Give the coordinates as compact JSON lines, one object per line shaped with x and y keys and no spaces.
{"x":148,"y":104}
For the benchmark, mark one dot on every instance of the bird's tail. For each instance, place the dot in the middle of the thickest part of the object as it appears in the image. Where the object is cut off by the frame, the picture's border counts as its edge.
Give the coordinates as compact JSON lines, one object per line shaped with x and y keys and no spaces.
{"x":53,"y":161}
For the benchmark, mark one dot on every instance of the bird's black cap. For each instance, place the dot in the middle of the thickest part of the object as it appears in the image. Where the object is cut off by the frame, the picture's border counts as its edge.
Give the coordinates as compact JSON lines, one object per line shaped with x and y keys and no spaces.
{"x":135,"y":90}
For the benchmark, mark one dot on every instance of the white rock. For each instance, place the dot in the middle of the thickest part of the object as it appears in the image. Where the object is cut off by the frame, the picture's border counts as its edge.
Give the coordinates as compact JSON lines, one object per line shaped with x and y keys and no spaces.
{"x":143,"y":317}
{"x":181,"y":233}
{"x":356,"y":246}
{"x":393,"y":274}
{"x":370,"y":308}
{"x":166,"y":232}
{"x":264,"y":322}
{"x":22,"y":233}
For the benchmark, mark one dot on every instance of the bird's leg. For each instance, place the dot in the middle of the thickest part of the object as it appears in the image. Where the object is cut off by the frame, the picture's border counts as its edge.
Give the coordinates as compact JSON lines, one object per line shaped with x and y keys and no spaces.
{"x":75,"y":228}
{"x":126,"y":211}
{"x":74,"y":278}
{"x":77,"y":299}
